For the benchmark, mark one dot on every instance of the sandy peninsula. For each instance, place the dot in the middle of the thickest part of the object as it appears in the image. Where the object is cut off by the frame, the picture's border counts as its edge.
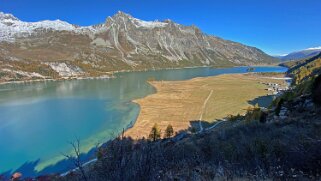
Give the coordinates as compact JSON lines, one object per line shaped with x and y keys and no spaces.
{"x":208,"y":99}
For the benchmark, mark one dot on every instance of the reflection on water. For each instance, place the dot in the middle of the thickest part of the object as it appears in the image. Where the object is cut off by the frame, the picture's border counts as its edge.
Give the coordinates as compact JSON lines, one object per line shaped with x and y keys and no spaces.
{"x":37,"y":119}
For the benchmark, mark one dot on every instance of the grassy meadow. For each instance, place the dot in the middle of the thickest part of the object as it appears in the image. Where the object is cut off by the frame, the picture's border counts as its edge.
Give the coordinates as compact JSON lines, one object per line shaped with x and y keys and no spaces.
{"x":180,"y":102}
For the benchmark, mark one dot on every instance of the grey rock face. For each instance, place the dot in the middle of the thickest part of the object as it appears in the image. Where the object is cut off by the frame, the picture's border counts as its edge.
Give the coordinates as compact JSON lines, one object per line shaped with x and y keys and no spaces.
{"x":121,"y":43}
{"x":134,"y":39}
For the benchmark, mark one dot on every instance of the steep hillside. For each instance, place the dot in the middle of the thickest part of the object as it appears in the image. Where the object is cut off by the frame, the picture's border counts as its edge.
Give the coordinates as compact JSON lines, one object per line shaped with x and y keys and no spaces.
{"x":303,"y":54}
{"x":304,"y":69}
{"x":121,"y":43}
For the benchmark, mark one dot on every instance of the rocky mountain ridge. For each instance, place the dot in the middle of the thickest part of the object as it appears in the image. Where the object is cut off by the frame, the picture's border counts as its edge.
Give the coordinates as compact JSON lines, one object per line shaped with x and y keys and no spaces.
{"x":121,"y":43}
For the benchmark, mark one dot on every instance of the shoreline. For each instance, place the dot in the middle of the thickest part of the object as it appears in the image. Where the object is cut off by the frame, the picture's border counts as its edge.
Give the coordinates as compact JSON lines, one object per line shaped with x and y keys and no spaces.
{"x":134,"y":122}
{"x":133,"y":125}
{"x":91,"y":77}
{"x":111,"y":74}
{"x":170,"y":105}
{"x":55,"y":80}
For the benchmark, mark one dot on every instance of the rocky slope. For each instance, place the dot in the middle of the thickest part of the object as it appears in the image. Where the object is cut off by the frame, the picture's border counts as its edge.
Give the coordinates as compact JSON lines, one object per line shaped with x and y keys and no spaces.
{"x":121,"y":43}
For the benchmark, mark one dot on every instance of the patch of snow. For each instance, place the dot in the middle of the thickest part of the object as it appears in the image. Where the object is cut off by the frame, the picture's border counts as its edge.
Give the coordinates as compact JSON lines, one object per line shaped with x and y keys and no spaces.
{"x":147,"y":24}
{"x":314,"y":48}
{"x":11,"y":27}
{"x":91,"y":29}
{"x":282,"y":55}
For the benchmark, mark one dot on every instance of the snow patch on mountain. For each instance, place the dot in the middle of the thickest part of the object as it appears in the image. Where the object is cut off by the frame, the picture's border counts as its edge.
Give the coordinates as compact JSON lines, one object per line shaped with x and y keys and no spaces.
{"x":148,"y":24}
{"x":137,"y":22}
{"x":11,"y":27}
{"x":314,"y":48}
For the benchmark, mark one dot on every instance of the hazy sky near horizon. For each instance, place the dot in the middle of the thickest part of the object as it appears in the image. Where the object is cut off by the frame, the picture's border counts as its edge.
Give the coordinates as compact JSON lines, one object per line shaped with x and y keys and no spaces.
{"x":275,"y":26}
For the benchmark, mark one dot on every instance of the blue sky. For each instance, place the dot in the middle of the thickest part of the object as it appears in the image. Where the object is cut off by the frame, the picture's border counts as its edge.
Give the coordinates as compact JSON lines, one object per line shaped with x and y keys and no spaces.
{"x":275,"y":26}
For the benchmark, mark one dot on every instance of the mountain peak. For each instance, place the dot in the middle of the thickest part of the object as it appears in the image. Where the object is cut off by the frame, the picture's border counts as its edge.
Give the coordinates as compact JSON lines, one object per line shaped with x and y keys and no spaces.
{"x":128,"y":39}
{"x":7,"y":16}
{"x":124,"y":18}
{"x":122,"y":14}
{"x":119,"y":16}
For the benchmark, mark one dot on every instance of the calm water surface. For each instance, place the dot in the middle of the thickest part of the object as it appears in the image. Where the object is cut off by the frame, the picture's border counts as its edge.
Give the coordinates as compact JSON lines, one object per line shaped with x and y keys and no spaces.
{"x":38,"y":119}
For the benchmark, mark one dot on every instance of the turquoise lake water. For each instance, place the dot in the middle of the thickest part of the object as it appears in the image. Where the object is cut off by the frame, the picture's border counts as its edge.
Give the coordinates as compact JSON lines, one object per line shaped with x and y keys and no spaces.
{"x":38,"y":119}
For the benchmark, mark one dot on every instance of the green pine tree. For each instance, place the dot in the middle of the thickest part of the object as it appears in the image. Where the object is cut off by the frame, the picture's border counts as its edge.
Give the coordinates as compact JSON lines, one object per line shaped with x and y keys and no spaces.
{"x":155,"y":133}
{"x":169,"y":132}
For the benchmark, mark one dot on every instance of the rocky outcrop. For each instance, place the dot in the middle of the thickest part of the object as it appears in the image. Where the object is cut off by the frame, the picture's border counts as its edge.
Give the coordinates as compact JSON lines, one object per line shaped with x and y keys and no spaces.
{"x":65,"y":70}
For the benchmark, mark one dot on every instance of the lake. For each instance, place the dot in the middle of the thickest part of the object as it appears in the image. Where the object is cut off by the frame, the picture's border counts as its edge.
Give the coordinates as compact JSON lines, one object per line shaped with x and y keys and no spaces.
{"x":38,"y":119}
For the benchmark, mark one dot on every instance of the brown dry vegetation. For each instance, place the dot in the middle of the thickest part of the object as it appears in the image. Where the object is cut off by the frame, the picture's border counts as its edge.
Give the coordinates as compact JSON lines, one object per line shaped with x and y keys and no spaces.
{"x":180,"y":102}
{"x":241,"y":150}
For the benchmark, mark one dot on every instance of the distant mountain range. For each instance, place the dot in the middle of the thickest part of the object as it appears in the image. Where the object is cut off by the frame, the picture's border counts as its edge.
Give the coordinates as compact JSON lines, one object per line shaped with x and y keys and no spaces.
{"x":48,"y":49}
{"x":302,"y":54}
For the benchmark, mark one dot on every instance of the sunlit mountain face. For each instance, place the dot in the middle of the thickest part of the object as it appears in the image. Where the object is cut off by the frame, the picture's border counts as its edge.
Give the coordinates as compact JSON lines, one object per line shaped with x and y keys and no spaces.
{"x":167,"y":90}
{"x":123,"y":42}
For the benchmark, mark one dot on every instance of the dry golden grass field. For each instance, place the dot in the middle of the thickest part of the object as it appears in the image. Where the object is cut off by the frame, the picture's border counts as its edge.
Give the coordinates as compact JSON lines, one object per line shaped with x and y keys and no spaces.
{"x":208,"y":99}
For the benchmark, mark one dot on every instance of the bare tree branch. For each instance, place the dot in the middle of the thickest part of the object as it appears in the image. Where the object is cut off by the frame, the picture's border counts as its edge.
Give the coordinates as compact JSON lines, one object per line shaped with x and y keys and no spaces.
{"x":76,"y":159}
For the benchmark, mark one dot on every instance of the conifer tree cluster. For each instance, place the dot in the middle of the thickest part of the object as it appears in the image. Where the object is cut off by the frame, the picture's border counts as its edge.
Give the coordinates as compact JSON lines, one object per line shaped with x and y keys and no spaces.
{"x":155,"y":133}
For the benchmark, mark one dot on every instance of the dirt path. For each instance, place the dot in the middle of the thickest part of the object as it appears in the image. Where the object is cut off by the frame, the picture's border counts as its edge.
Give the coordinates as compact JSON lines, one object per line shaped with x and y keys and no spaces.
{"x":180,"y":103}
{"x":202,"y":111}
{"x":215,"y":125}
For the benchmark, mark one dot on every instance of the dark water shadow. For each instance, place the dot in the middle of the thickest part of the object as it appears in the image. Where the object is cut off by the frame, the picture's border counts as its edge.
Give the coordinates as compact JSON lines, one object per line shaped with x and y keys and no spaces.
{"x":28,"y":169}
{"x":67,"y":164}
{"x":262,"y":101}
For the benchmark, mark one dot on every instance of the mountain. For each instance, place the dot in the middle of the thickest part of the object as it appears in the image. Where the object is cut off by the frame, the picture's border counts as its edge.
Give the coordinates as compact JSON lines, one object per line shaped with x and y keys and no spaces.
{"x":307,"y":53}
{"x":59,"y":49}
{"x":304,"y":69}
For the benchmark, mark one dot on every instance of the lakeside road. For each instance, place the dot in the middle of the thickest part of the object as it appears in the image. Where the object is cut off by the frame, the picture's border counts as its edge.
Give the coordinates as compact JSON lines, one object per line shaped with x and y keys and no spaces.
{"x":179,"y":103}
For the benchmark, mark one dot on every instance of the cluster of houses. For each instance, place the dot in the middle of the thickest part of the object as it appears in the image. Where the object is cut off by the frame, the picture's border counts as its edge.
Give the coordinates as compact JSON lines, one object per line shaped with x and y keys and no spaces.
{"x":275,"y":88}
